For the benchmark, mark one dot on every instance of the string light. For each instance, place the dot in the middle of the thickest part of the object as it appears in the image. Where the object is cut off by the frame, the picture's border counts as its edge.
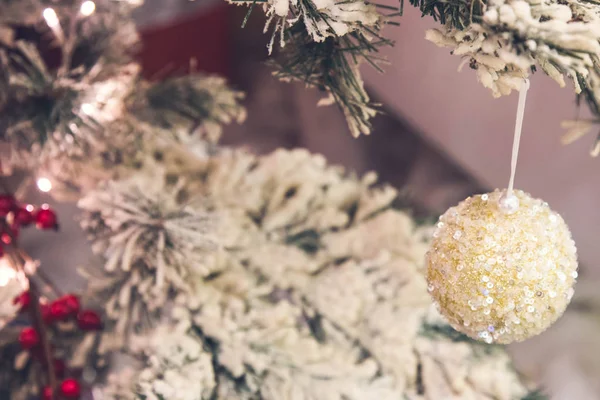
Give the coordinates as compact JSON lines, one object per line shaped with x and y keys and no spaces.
{"x":87,"y":108}
{"x":87,"y":8}
{"x":51,"y":18}
{"x":44,"y":184}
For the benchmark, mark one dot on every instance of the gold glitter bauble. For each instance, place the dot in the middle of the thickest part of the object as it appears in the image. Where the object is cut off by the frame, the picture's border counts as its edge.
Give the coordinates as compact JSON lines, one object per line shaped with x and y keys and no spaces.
{"x":501,"y":268}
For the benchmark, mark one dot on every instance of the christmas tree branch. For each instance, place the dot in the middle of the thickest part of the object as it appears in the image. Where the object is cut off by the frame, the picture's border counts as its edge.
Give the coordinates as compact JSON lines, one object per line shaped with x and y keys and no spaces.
{"x":332,"y":66}
{"x":323,"y":48}
{"x":457,"y":13}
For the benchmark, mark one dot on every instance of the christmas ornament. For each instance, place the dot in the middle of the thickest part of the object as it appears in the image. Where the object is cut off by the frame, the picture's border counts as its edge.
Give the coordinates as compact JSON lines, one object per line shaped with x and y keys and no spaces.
{"x":89,"y":320}
{"x":70,"y":388}
{"x":46,"y":218}
{"x":29,"y":338}
{"x":502,"y":265}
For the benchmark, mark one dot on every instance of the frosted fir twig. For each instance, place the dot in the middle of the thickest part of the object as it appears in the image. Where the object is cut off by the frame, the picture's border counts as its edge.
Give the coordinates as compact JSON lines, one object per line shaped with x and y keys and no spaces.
{"x":202,"y":104}
{"x":323,"y":43}
{"x":333,"y":67}
{"x":49,"y":110}
{"x":514,"y":36}
{"x":321,"y":18}
{"x":506,"y":40}
{"x":174,"y":365}
{"x":153,"y":244}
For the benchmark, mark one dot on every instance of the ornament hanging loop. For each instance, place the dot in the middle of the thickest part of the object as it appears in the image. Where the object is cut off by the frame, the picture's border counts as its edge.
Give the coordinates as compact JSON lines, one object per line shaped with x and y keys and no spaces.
{"x":517,"y":137}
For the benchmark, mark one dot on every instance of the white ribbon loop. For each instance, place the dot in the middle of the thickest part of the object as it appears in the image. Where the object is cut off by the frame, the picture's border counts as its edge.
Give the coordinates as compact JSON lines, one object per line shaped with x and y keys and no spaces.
{"x":517,"y":138}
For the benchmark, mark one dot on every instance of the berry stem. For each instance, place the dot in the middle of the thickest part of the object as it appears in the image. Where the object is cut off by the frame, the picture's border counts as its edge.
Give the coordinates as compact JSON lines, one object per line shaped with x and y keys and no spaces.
{"x":38,"y":323}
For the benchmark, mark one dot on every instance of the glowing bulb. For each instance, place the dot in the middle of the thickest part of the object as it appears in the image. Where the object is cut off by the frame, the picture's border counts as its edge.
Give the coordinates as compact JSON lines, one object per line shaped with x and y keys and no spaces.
{"x":51,"y":18}
{"x":87,"y":108}
{"x":44,"y":184}
{"x":87,"y":8}
{"x":7,"y":273}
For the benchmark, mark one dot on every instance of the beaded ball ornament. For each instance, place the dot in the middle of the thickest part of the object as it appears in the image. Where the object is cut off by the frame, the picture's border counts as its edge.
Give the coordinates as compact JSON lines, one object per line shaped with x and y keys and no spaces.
{"x":501,"y":267}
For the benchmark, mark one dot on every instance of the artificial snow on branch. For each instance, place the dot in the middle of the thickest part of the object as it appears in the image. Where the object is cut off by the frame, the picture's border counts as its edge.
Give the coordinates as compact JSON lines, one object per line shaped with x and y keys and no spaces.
{"x":170,"y":358}
{"x":333,"y":67}
{"x":202,"y":103}
{"x":53,"y":107}
{"x":155,"y":239}
{"x":513,"y":37}
{"x":323,"y":44}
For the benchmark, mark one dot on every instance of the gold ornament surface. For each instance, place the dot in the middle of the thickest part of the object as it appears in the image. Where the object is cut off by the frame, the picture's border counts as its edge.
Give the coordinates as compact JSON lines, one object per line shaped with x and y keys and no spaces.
{"x":501,"y":268}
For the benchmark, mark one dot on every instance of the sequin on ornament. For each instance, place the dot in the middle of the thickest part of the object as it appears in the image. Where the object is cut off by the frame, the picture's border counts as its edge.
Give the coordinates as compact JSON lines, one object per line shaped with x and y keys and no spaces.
{"x":511,"y":268}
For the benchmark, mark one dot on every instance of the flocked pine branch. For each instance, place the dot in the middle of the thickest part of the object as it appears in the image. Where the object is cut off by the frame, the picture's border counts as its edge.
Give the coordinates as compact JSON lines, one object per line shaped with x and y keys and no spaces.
{"x":333,"y":67}
{"x":201,"y":103}
{"x":154,"y":238}
{"x":60,"y":74}
{"x":323,"y":43}
{"x":508,"y":40}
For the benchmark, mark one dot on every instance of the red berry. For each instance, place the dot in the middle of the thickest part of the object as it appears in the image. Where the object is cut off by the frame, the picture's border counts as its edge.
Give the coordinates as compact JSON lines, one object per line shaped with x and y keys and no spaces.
{"x":29,"y":338}
{"x":7,"y":204}
{"x":46,"y":393}
{"x":46,"y":218}
{"x":89,"y":320}
{"x":23,"y":300}
{"x":72,"y":303}
{"x":59,"y":367}
{"x":63,"y":308}
{"x":46,"y":313}
{"x":59,"y":310}
{"x":24,"y":216}
{"x":70,"y":388}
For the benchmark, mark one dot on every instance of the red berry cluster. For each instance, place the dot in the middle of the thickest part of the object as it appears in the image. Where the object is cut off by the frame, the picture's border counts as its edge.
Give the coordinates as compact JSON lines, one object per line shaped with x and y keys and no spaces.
{"x":65,"y":308}
{"x":16,"y":216}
